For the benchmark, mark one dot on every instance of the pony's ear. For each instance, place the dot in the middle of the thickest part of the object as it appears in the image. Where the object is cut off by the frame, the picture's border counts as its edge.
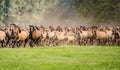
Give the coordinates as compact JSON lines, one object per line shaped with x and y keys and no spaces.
{"x":30,"y":25}
{"x":19,"y":29}
{"x":37,"y":28}
{"x":80,"y":31}
{"x":33,"y":28}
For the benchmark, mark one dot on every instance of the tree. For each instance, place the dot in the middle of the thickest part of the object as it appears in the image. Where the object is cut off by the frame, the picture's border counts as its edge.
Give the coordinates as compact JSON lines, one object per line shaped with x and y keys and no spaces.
{"x":100,"y":10}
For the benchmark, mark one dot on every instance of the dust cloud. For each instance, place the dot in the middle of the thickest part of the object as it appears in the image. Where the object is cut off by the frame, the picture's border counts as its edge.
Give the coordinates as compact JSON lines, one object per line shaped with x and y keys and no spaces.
{"x":63,"y":14}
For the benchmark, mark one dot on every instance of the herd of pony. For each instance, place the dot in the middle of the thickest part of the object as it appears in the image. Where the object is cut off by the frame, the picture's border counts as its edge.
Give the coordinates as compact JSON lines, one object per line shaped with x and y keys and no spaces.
{"x":15,"y":36}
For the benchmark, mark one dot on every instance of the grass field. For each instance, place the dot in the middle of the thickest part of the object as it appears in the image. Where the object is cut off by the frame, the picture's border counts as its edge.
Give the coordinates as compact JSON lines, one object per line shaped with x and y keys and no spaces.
{"x":60,"y":58}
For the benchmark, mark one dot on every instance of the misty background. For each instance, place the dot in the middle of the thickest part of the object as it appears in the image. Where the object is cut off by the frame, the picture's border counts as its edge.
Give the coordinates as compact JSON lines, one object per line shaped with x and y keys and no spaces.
{"x":60,"y":12}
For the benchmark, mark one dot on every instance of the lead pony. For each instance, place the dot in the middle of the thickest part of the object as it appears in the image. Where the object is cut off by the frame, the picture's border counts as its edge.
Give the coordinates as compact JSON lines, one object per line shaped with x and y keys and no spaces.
{"x":21,"y":36}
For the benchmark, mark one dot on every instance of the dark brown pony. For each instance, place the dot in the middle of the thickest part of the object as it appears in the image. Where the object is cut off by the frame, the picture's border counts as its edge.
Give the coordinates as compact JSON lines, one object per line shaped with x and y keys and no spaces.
{"x":115,"y":38}
{"x":9,"y":36}
{"x":35,"y":35}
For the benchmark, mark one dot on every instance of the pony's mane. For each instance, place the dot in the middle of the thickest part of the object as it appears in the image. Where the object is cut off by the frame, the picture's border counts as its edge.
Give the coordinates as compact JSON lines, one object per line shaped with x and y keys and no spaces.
{"x":13,"y":24}
{"x":37,"y":28}
{"x":32,"y":27}
{"x":18,"y":28}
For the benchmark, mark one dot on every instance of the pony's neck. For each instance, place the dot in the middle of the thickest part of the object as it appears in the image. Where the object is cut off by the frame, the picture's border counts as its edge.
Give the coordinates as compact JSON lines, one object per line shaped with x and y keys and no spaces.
{"x":17,"y":34}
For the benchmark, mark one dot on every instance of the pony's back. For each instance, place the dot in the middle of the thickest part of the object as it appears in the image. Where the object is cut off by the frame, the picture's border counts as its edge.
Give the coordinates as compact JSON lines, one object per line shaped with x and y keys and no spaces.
{"x":2,"y":35}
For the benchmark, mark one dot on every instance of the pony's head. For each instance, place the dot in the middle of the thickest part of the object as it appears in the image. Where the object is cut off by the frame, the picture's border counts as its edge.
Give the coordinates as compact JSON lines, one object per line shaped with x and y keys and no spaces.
{"x":17,"y":30}
{"x":12,"y":26}
{"x":32,"y":28}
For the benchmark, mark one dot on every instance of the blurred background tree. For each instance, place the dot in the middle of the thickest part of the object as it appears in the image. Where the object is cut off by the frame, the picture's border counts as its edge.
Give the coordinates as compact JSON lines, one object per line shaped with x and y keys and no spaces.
{"x":25,"y":11}
{"x":100,"y":10}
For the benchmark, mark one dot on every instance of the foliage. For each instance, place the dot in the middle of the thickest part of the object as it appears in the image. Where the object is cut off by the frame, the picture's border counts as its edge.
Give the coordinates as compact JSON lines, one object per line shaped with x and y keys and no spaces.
{"x":24,"y":10}
{"x":13,"y":10}
{"x":100,"y":10}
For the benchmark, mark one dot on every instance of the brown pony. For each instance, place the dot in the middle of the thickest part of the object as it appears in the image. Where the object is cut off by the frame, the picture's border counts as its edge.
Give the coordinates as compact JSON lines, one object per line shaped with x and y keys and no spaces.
{"x":101,"y":37}
{"x":35,"y":35}
{"x":71,"y":39}
{"x":2,"y":38}
{"x":9,"y":36}
{"x":115,"y":38}
{"x":20,"y":36}
{"x":85,"y":37}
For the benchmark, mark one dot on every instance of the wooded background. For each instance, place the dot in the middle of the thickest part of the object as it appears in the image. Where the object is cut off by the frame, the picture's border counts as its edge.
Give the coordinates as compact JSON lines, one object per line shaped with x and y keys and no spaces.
{"x":23,"y":11}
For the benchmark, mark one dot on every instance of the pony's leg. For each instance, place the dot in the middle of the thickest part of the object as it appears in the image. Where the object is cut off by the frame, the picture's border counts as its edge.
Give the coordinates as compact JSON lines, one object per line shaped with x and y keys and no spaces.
{"x":2,"y":44}
{"x":104,"y":42}
{"x":7,"y":42}
{"x":91,"y":41}
{"x":26,"y":40}
{"x":37,"y":42}
{"x":119,"y":42}
{"x":80,"y":42}
{"x":98,"y":42}
{"x":113,"y":41}
{"x":18,"y":44}
{"x":84,"y":44}
{"x":108,"y":42}
{"x":10,"y":43}
{"x":31,"y":43}
{"x":13,"y":44}
{"x":34,"y":42}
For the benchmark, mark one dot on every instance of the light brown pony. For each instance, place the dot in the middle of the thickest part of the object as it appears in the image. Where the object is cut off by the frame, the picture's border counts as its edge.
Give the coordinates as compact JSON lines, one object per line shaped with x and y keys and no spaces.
{"x":65,"y":37}
{"x":61,"y":37}
{"x":71,"y":39}
{"x":52,"y":37}
{"x":101,"y":37}
{"x":2,"y":38}
{"x":85,"y":36}
{"x":20,"y":36}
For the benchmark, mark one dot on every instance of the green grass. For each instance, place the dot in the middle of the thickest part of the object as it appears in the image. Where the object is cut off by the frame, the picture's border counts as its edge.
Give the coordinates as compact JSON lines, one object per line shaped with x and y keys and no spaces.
{"x":60,"y":58}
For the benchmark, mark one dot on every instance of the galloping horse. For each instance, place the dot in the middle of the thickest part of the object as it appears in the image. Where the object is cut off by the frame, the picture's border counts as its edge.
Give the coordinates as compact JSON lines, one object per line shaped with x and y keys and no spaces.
{"x":35,"y":35}
{"x":20,"y":36}
{"x":2,"y":38}
{"x":9,"y":36}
